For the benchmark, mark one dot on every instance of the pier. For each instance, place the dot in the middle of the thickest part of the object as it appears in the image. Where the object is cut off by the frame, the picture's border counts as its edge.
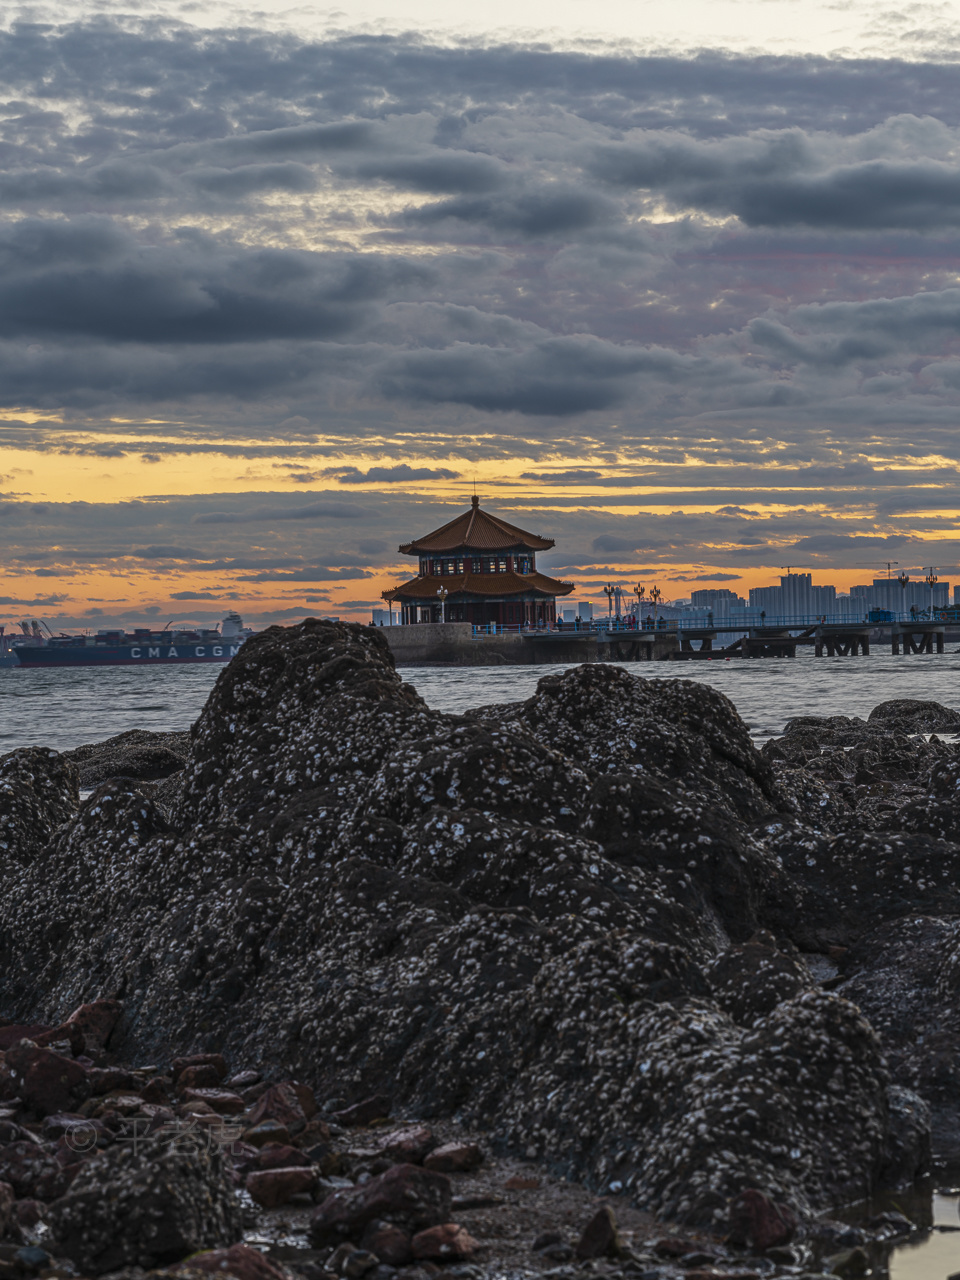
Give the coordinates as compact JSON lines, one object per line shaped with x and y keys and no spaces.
{"x":674,"y":640}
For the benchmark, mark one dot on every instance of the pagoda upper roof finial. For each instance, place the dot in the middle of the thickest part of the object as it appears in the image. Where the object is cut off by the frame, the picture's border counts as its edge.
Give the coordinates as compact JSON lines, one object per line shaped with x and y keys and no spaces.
{"x":475,"y":501}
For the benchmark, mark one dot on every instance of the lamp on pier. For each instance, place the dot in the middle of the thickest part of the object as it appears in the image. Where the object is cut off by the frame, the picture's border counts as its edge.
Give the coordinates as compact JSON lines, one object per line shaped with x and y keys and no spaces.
{"x":442,"y":593}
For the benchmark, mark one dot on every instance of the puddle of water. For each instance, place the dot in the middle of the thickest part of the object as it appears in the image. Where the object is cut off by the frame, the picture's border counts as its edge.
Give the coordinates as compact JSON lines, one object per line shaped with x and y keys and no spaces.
{"x":933,"y":1251}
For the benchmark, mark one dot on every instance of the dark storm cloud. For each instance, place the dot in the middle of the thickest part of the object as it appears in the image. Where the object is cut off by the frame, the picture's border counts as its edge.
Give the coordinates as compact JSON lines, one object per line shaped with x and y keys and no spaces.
{"x":97,"y":281}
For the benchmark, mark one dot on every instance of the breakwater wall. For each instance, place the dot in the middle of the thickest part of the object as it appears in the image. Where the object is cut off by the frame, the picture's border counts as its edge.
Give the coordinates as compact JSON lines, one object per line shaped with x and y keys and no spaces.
{"x":453,"y":644}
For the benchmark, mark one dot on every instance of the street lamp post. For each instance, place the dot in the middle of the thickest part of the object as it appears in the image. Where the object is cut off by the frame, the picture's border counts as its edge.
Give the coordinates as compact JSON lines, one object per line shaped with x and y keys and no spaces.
{"x":655,"y":595}
{"x":442,"y":592}
{"x":931,"y":580}
{"x":640,"y":593}
{"x":903,"y":579}
{"x":609,"y":591}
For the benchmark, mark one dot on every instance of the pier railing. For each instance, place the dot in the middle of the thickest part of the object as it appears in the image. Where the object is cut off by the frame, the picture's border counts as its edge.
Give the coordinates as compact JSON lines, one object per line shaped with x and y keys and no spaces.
{"x":752,"y":621}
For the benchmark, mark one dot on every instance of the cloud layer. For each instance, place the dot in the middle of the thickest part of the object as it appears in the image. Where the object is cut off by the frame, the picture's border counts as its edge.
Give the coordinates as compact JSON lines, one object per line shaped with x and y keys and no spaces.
{"x":719,"y":290}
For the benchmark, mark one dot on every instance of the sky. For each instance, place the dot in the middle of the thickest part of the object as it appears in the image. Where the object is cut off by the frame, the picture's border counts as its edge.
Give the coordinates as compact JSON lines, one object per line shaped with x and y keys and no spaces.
{"x":677,"y":285}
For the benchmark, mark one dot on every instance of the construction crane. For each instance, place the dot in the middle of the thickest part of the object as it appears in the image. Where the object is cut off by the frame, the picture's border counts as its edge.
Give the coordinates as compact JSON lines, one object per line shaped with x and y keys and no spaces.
{"x":866,"y":564}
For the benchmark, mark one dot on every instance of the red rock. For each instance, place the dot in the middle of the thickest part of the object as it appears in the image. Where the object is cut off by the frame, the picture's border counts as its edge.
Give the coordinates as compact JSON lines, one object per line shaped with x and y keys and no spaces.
{"x":273,"y":1187}
{"x":519,"y":1183}
{"x":14,"y":1032}
{"x":406,"y":1194}
{"x":277,"y":1155}
{"x":259,"y":1135}
{"x":203,"y":1076}
{"x":180,"y":1065}
{"x":103,"y":1079}
{"x":156,"y":1091}
{"x":46,"y":1081}
{"x":254,"y":1092}
{"x":446,"y":1243}
{"x":315,"y":1132}
{"x":67,"y":1033}
{"x":280,"y":1103}
{"x":96,"y":1021}
{"x":759,"y":1222}
{"x":364,"y":1112}
{"x":306,"y":1097}
{"x":223,"y":1101}
{"x":240,"y":1260}
{"x":391,"y":1244}
{"x":6,"y":1205}
{"x":670,"y":1247}
{"x":28,"y":1213}
{"x":600,"y":1237}
{"x":406,"y":1146}
{"x":243,"y":1080}
{"x":455,"y":1157}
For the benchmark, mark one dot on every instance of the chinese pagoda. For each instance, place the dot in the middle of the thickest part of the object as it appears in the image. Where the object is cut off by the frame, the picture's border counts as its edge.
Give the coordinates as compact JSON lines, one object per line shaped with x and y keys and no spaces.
{"x":488,"y":569}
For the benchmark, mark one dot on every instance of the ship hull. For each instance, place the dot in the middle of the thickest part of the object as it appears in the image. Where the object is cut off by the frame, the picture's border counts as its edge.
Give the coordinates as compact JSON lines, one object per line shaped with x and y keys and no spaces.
{"x":124,"y":655}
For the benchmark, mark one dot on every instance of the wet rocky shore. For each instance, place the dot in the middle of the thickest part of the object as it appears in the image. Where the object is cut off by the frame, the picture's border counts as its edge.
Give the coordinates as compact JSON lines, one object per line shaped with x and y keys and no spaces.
{"x":338,"y":985}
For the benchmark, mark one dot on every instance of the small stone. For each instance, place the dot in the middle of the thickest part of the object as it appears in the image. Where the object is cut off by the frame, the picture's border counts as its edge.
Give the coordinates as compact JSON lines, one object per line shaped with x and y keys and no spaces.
{"x":259,"y":1135}
{"x":26,"y":1212}
{"x":281,"y":1104}
{"x":243,"y":1080}
{"x":240,"y":1260}
{"x":96,"y":1022}
{"x":157,"y":1091}
{"x":559,"y":1252}
{"x":279,"y":1155}
{"x":357,"y":1263}
{"x":375,"y":1108}
{"x":760,"y":1223}
{"x":406,"y":1194}
{"x":545,"y":1239}
{"x":223,"y":1101}
{"x":390,"y":1243}
{"x":47,"y":1082}
{"x":205,"y":1075}
{"x":454,"y":1157}
{"x":103,"y":1079}
{"x":273,"y":1187}
{"x":600,"y":1237}
{"x":520,"y":1183}
{"x":851,"y":1264}
{"x":179,"y":1065}
{"x":407,"y":1146}
{"x":305,"y":1095}
{"x":669,"y":1247}
{"x":31,"y":1259}
{"x":445,"y":1243}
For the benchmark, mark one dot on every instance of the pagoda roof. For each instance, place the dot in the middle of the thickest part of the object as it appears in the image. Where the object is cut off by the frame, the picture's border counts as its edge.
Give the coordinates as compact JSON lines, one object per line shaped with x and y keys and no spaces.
{"x":479,"y":584}
{"x":476,"y":530}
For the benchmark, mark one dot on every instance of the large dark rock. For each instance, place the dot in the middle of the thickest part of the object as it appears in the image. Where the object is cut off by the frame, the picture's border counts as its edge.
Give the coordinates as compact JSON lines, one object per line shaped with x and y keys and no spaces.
{"x":146,"y":1204}
{"x":574,"y":921}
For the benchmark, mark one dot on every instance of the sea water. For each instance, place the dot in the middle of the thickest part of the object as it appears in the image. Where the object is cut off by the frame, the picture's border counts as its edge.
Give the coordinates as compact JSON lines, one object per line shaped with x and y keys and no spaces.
{"x":73,"y":705}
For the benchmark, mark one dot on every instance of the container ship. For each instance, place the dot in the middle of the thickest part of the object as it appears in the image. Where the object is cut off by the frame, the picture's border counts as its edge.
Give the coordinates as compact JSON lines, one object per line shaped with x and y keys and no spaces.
{"x":141,"y":647}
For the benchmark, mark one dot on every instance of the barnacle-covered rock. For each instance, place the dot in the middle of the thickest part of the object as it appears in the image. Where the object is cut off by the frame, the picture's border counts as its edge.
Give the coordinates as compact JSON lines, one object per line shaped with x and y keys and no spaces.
{"x":537,"y":918}
{"x":138,"y":753}
{"x":38,"y":792}
{"x":146,"y":1204}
